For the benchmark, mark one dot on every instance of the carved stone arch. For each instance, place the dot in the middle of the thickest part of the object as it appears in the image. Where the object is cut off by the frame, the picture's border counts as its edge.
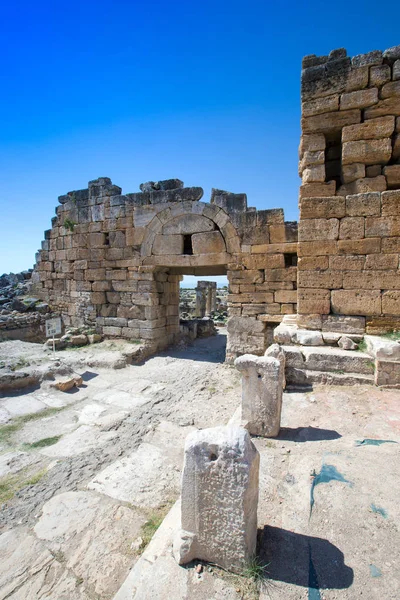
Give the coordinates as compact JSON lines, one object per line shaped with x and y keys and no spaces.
{"x":201,"y":211}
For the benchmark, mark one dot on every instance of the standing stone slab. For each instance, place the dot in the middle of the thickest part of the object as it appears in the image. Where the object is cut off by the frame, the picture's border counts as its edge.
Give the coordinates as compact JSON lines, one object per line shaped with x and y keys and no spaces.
{"x":262,"y":388}
{"x":219,"y":498}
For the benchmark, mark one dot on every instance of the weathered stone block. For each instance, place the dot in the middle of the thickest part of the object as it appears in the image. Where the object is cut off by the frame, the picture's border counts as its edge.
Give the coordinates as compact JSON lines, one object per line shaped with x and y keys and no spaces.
{"x":319,"y":248}
{"x":188,"y":224}
{"x":313,"y":174}
{"x":390,"y":245}
{"x":359,"y":99}
{"x":347,"y":263}
{"x":356,"y":302}
{"x":205,"y":243}
{"x":363,"y":186}
{"x":313,"y":263}
{"x":391,"y":302}
{"x":392,"y":174}
{"x":332,"y":121}
{"x":387,"y":373}
{"x":314,"y":208}
{"x":95,"y":274}
{"x":168,"y":244}
{"x":318,"y":229}
{"x":379,"y":75}
{"x":317,"y":190}
{"x":320,"y":105}
{"x":320,"y":279}
{"x":351,"y":228}
{"x":363,"y":205}
{"x":373,"y":129}
{"x":389,"y":106}
{"x":312,"y":143}
{"x":390,"y":203}
{"x":219,"y":498}
{"x":352,"y":172}
{"x":382,"y":261}
{"x":343,"y":324}
{"x":369,"y":152}
{"x":262,"y":387}
{"x":285,"y":296}
{"x":391,"y":89}
{"x":313,"y":301}
{"x":382,"y":227}
{"x":365,"y":246}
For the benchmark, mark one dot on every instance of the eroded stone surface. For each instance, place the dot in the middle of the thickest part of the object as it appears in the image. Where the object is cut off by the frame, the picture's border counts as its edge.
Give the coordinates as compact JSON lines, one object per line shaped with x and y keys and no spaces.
{"x":219,"y":498}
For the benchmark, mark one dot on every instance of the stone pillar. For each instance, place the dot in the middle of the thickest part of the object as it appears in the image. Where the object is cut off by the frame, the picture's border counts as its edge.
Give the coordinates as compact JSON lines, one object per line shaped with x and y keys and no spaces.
{"x":208,"y":301}
{"x":219,"y":498}
{"x":262,"y":387}
{"x":214,"y":298}
{"x":200,"y":302}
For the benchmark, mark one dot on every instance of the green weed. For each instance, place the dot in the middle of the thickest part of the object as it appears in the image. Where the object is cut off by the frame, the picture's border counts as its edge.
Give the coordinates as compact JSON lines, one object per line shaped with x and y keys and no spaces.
{"x":42,"y":443}
{"x":69,"y":224}
{"x":7,"y":431}
{"x":11,"y":484}
{"x":154,"y":520}
{"x":392,"y":335}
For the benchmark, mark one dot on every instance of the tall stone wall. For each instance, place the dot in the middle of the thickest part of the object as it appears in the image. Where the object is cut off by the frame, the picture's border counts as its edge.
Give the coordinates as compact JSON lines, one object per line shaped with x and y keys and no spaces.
{"x":115,"y":261}
{"x":349,"y":230}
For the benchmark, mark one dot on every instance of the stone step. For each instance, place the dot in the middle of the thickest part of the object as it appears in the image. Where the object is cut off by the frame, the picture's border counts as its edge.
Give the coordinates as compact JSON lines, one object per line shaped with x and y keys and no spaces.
{"x":302,"y":377}
{"x":329,"y":359}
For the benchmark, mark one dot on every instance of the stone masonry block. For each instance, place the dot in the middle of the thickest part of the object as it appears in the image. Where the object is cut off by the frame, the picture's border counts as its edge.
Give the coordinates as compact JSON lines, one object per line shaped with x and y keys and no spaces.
{"x":313,"y":301}
{"x":219,"y":499}
{"x":374,"y":129}
{"x":363,"y":205}
{"x":382,"y":227}
{"x":315,"y":208}
{"x":205,"y":243}
{"x":351,"y":228}
{"x":332,"y":121}
{"x":320,"y":279}
{"x":391,"y":203}
{"x":391,"y":302}
{"x":368,"y":152}
{"x":365,"y":246}
{"x":167,"y":244}
{"x":356,"y":302}
{"x":318,"y":229}
{"x":262,"y":388}
{"x":359,"y":99}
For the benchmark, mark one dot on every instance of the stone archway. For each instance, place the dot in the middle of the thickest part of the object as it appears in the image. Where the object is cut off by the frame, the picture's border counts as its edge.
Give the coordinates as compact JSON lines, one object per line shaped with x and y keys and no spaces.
{"x":114,"y":261}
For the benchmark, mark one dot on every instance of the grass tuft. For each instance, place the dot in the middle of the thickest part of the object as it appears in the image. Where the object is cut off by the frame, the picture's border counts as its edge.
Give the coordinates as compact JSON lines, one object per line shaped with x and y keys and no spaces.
{"x":42,"y":443}
{"x":11,"y":484}
{"x":154,"y":520}
{"x":7,"y":431}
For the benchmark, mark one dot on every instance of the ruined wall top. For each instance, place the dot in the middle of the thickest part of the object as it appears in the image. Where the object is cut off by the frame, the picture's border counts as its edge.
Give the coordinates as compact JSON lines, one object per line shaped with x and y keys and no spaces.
{"x":350,"y":123}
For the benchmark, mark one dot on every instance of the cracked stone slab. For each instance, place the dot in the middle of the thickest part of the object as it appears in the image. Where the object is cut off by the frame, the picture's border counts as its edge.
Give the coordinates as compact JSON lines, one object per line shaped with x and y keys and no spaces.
{"x":83,"y":439}
{"x":121,"y":399}
{"x":93,"y":534}
{"x":145,"y":478}
{"x":29,"y":570}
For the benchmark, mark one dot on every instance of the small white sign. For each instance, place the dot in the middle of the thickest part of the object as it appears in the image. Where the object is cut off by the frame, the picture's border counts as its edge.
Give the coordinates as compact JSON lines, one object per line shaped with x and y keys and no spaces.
{"x":53,"y":327}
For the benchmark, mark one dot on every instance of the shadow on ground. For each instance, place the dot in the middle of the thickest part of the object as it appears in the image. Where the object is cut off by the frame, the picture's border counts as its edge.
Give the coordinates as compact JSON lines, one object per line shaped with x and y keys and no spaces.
{"x":211,"y":349}
{"x":307,"y":434}
{"x":302,"y":560}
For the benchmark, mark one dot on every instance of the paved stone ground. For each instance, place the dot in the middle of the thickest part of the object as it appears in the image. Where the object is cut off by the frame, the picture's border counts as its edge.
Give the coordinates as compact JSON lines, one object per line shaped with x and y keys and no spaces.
{"x":72,"y":528}
{"x":74,"y":524}
{"x":328,"y":514}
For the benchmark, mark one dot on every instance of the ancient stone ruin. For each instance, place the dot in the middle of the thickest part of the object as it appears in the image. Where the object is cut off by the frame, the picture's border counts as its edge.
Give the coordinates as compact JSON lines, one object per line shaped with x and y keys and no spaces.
{"x":114,"y":261}
{"x":206,"y":296}
{"x":219,"y":498}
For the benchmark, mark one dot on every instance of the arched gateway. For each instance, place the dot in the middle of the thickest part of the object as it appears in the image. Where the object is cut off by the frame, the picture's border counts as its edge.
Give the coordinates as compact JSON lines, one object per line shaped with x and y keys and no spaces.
{"x":114,"y":261}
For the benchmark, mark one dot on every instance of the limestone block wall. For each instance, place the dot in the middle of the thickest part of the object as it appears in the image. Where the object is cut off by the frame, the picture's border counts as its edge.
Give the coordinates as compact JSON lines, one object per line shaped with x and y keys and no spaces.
{"x":349,"y":230}
{"x":115,"y":261}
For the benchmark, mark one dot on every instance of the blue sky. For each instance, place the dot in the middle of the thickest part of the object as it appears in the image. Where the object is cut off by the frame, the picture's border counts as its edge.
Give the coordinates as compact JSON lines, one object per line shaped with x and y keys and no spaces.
{"x":206,"y":91}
